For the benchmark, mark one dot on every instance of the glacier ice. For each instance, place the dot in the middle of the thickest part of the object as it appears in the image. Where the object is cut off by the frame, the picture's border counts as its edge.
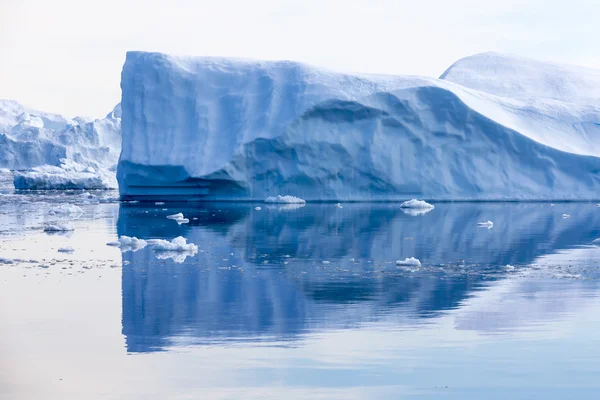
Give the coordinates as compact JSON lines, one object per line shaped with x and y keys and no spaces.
{"x":493,"y":127}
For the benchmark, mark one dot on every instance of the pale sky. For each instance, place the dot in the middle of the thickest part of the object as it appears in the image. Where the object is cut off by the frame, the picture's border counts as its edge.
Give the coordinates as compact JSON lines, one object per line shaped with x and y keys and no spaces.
{"x":66,"y":56}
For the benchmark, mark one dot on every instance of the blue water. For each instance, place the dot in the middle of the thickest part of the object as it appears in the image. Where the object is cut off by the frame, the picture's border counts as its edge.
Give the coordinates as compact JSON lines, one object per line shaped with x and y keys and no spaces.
{"x":308,"y":302}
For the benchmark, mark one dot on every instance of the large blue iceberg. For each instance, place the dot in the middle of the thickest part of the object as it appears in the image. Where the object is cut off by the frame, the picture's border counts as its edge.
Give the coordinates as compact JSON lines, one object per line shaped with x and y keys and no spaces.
{"x":493,"y":127}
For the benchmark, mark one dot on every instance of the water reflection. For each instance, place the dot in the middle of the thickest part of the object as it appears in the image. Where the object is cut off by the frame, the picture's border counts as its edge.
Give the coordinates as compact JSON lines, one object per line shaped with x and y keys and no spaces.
{"x":280,"y":273}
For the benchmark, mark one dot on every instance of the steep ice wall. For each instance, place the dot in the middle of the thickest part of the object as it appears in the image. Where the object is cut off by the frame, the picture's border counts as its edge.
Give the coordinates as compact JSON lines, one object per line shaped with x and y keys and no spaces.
{"x":211,"y":128}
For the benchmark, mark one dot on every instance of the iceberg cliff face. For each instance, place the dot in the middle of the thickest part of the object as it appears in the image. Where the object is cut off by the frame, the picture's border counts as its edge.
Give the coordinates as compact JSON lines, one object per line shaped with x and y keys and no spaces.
{"x":211,"y":128}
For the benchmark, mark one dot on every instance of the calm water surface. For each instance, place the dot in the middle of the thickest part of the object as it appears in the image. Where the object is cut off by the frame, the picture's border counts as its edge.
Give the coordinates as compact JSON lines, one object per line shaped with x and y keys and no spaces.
{"x":300,"y":302}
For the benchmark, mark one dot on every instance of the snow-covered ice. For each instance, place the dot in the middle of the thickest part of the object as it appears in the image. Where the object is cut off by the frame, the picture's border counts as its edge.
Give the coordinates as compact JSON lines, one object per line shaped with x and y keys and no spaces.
{"x":409,"y":262}
{"x":509,"y":127}
{"x":279,"y":199}
{"x":486,"y":224}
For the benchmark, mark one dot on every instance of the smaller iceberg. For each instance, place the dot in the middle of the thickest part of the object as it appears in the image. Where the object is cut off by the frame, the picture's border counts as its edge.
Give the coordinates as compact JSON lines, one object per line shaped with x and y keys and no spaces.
{"x":177,"y":249}
{"x":126,"y":243}
{"x":486,"y":224}
{"x":70,"y":210}
{"x":409,"y":262}
{"x":279,"y":199}
{"x":57,"y":228}
{"x":417,"y":204}
{"x":179,"y":218}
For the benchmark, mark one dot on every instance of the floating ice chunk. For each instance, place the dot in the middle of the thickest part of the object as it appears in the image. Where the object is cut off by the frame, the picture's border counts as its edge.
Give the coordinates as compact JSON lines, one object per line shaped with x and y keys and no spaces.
{"x":409,"y":262}
{"x":177,"y":244}
{"x":159,"y":203}
{"x":257,"y":208}
{"x":339,"y":205}
{"x":509,"y":267}
{"x":417,"y":204}
{"x":566,"y":216}
{"x":70,"y":210}
{"x":66,"y":250}
{"x":58,"y":227}
{"x":179,"y":218}
{"x":285,"y":200}
{"x":126,"y":243}
{"x":486,"y":224}
{"x":177,"y":256}
{"x":325,"y":262}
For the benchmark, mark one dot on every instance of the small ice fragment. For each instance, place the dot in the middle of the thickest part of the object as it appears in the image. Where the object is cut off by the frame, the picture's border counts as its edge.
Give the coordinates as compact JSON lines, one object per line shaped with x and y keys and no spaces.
{"x":285,"y":199}
{"x":257,"y":208}
{"x":57,"y":227}
{"x":486,"y":224}
{"x":411,"y":262}
{"x":179,"y":218}
{"x":177,"y":244}
{"x":70,"y":210}
{"x":418,"y":204}
{"x":66,"y":250}
{"x":325,"y":262}
{"x":509,"y":267}
{"x":126,"y":243}
{"x":566,"y":216}
{"x":339,"y":205}
{"x":159,"y":203}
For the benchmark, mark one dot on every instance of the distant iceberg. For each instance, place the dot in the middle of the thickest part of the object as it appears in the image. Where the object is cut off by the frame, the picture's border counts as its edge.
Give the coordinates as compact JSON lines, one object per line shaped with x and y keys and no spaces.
{"x":493,"y":127}
{"x":279,"y":199}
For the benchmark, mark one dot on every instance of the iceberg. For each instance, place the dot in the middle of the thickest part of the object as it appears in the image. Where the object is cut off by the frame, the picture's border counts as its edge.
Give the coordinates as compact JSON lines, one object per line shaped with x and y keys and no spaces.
{"x":39,"y":145}
{"x":493,"y":127}
{"x":279,"y":199}
{"x":409,"y":262}
{"x":417,"y":205}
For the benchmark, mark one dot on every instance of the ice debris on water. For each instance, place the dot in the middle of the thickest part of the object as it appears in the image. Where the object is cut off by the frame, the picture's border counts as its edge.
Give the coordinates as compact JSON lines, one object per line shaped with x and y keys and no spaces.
{"x":179,"y":218}
{"x":177,"y":244}
{"x":58,"y":227}
{"x":409,"y":262}
{"x":126,"y":243}
{"x":279,"y":199}
{"x":486,"y":224}
{"x":70,"y":210}
{"x":418,"y":204}
{"x":566,"y":216}
{"x":339,"y":205}
{"x":257,"y":208}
